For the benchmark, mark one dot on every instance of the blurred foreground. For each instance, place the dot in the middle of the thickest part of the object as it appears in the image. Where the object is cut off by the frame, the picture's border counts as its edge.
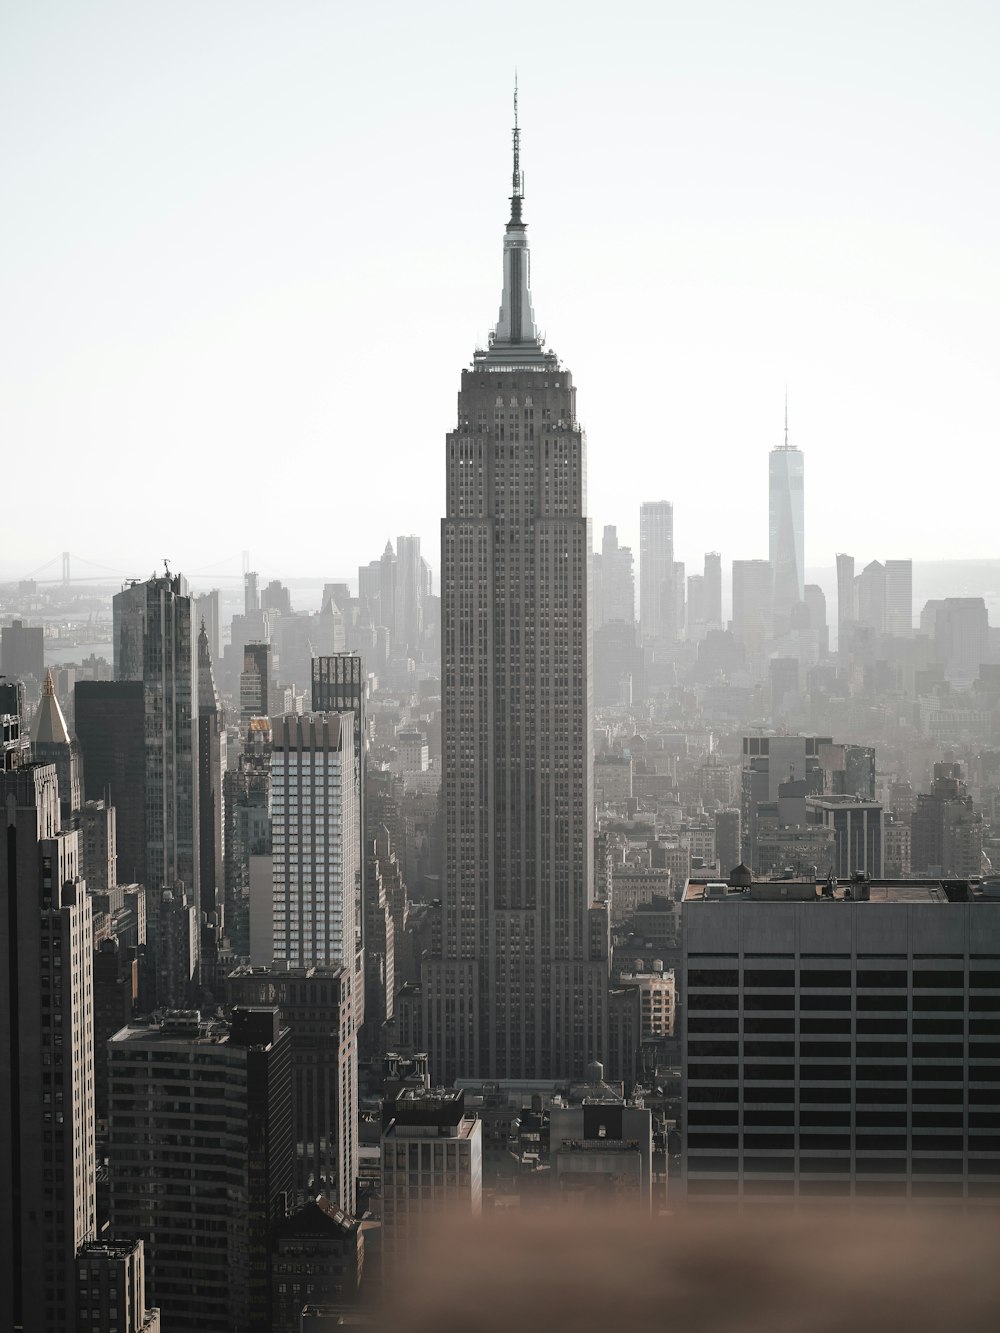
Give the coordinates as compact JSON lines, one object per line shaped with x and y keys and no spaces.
{"x":828,"y":1273}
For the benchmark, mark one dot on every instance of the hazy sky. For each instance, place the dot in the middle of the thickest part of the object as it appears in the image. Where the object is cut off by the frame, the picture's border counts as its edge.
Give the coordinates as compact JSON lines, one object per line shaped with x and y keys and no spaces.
{"x":246,"y":249}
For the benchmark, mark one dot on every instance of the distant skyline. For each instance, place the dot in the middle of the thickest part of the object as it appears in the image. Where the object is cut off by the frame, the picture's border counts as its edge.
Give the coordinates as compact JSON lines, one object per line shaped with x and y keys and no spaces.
{"x":246,"y":247}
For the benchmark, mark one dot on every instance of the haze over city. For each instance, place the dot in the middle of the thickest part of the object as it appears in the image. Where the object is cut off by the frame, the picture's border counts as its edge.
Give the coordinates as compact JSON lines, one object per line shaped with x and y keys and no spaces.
{"x":456,"y":874}
{"x":246,"y":247}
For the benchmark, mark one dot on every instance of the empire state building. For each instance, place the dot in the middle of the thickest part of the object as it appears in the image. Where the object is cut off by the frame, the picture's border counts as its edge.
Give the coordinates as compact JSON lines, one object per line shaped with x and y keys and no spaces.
{"x":518,"y":988}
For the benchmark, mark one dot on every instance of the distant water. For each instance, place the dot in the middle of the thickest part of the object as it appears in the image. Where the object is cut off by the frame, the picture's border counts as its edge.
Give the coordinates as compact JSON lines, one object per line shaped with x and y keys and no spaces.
{"x":68,"y":656}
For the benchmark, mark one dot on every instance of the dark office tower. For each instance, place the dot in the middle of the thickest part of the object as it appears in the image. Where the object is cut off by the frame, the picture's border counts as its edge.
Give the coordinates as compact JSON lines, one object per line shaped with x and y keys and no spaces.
{"x":753,"y":602}
{"x":317,"y":1007}
{"x":713,"y":589}
{"x":899,"y":596}
{"x":247,"y":839}
{"x":946,"y":832}
{"x":22,"y":650}
{"x":97,"y":823}
{"x":47,"y":1159}
{"x":786,"y":528}
{"x":211,"y":766}
{"x":170,"y":681}
{"x":15,"y":750}
{"x":251,"y":595}
{"x":221,"y":1160}
{"x":847,"y":601}
{"x":407,"y":616}
{"x":255,"y":681}
{"x":111,"y":1278}
{"x":11,"y":698}
{"x":170,"y":700}
{"x":520,"y":989}
{"x":51,"y":744}
{"x":128,"y":610}
{"x":656,"y":570}
{"x":339,"y":685}
{"x":110,"y":726}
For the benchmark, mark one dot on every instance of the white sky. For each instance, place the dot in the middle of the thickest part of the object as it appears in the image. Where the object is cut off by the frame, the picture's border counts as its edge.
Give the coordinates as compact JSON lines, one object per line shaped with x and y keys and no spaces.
{"x":246,"y":249}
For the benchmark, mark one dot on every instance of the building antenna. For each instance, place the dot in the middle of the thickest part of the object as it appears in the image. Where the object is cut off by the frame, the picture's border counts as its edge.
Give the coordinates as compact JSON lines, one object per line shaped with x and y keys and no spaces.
{"x":518,"y":184}
{"x":786,"y":414}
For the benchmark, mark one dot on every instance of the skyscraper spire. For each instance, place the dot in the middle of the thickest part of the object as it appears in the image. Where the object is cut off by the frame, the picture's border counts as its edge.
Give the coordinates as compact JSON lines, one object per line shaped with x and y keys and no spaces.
{"x":786,"y":416}
{"x":515,"y":341}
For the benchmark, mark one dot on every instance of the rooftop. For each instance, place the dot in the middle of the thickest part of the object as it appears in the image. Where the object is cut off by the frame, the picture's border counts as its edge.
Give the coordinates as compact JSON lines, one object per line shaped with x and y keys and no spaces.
{"x":854,"y":890}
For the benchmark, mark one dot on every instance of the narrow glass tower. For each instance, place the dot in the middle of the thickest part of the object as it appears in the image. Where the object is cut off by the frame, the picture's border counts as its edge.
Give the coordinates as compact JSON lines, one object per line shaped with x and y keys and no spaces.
{"x":786,"y":506}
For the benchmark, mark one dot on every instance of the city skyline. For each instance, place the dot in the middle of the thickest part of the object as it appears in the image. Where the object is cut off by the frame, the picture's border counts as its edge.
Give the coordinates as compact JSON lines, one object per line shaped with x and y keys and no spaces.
{"x":818,"y":218}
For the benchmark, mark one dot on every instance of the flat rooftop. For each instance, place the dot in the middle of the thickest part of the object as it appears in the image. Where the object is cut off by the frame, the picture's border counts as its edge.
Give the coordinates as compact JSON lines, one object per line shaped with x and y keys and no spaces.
{"x":868,"y":891}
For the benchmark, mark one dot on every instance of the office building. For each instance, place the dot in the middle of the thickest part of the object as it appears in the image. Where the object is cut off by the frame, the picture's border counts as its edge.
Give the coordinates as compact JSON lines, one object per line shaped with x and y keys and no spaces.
{"x":111,"y":1284}
{"x":776,"y":768}
{"x":156,"y":616}
{"x":315,"y":842}
{"x":753,"y":602}
{"x":211,"y":767}
{"x":408,"y":610}
{"x":317,"y":1259}
{"x":960,"y":629}
{"x":318,"y":1007}
{"x":713,"y":589}
{"x":110,"y":726}
{"x":220,"y":1160}
{"x":786,"y":525}
{"x":601,"y":1150}
{"x":946,"y":831}
{"x":871,"y":597}
{"x":614,"y":582}
{"x":519,"y":988}
{"x":51,"y":744}
{"x":340,"y":685}
{"x":858,"y":833}
{"x":840,"y":1043}
{"x":255,"y":681}
{"x":22,"y":650}
{"x":247,"y":841}
{"x":432,"y":1160}
{"x":656,"y":571}
{"x":97,"y":823}
{"x":847,"y":601}
{"x":899,"y":597}
{"x":47,"y":1156}
{"x":727,"y":839}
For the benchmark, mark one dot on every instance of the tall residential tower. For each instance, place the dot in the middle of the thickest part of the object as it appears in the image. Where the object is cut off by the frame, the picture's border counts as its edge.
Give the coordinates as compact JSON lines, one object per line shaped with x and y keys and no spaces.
{"x":519,"y":988}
